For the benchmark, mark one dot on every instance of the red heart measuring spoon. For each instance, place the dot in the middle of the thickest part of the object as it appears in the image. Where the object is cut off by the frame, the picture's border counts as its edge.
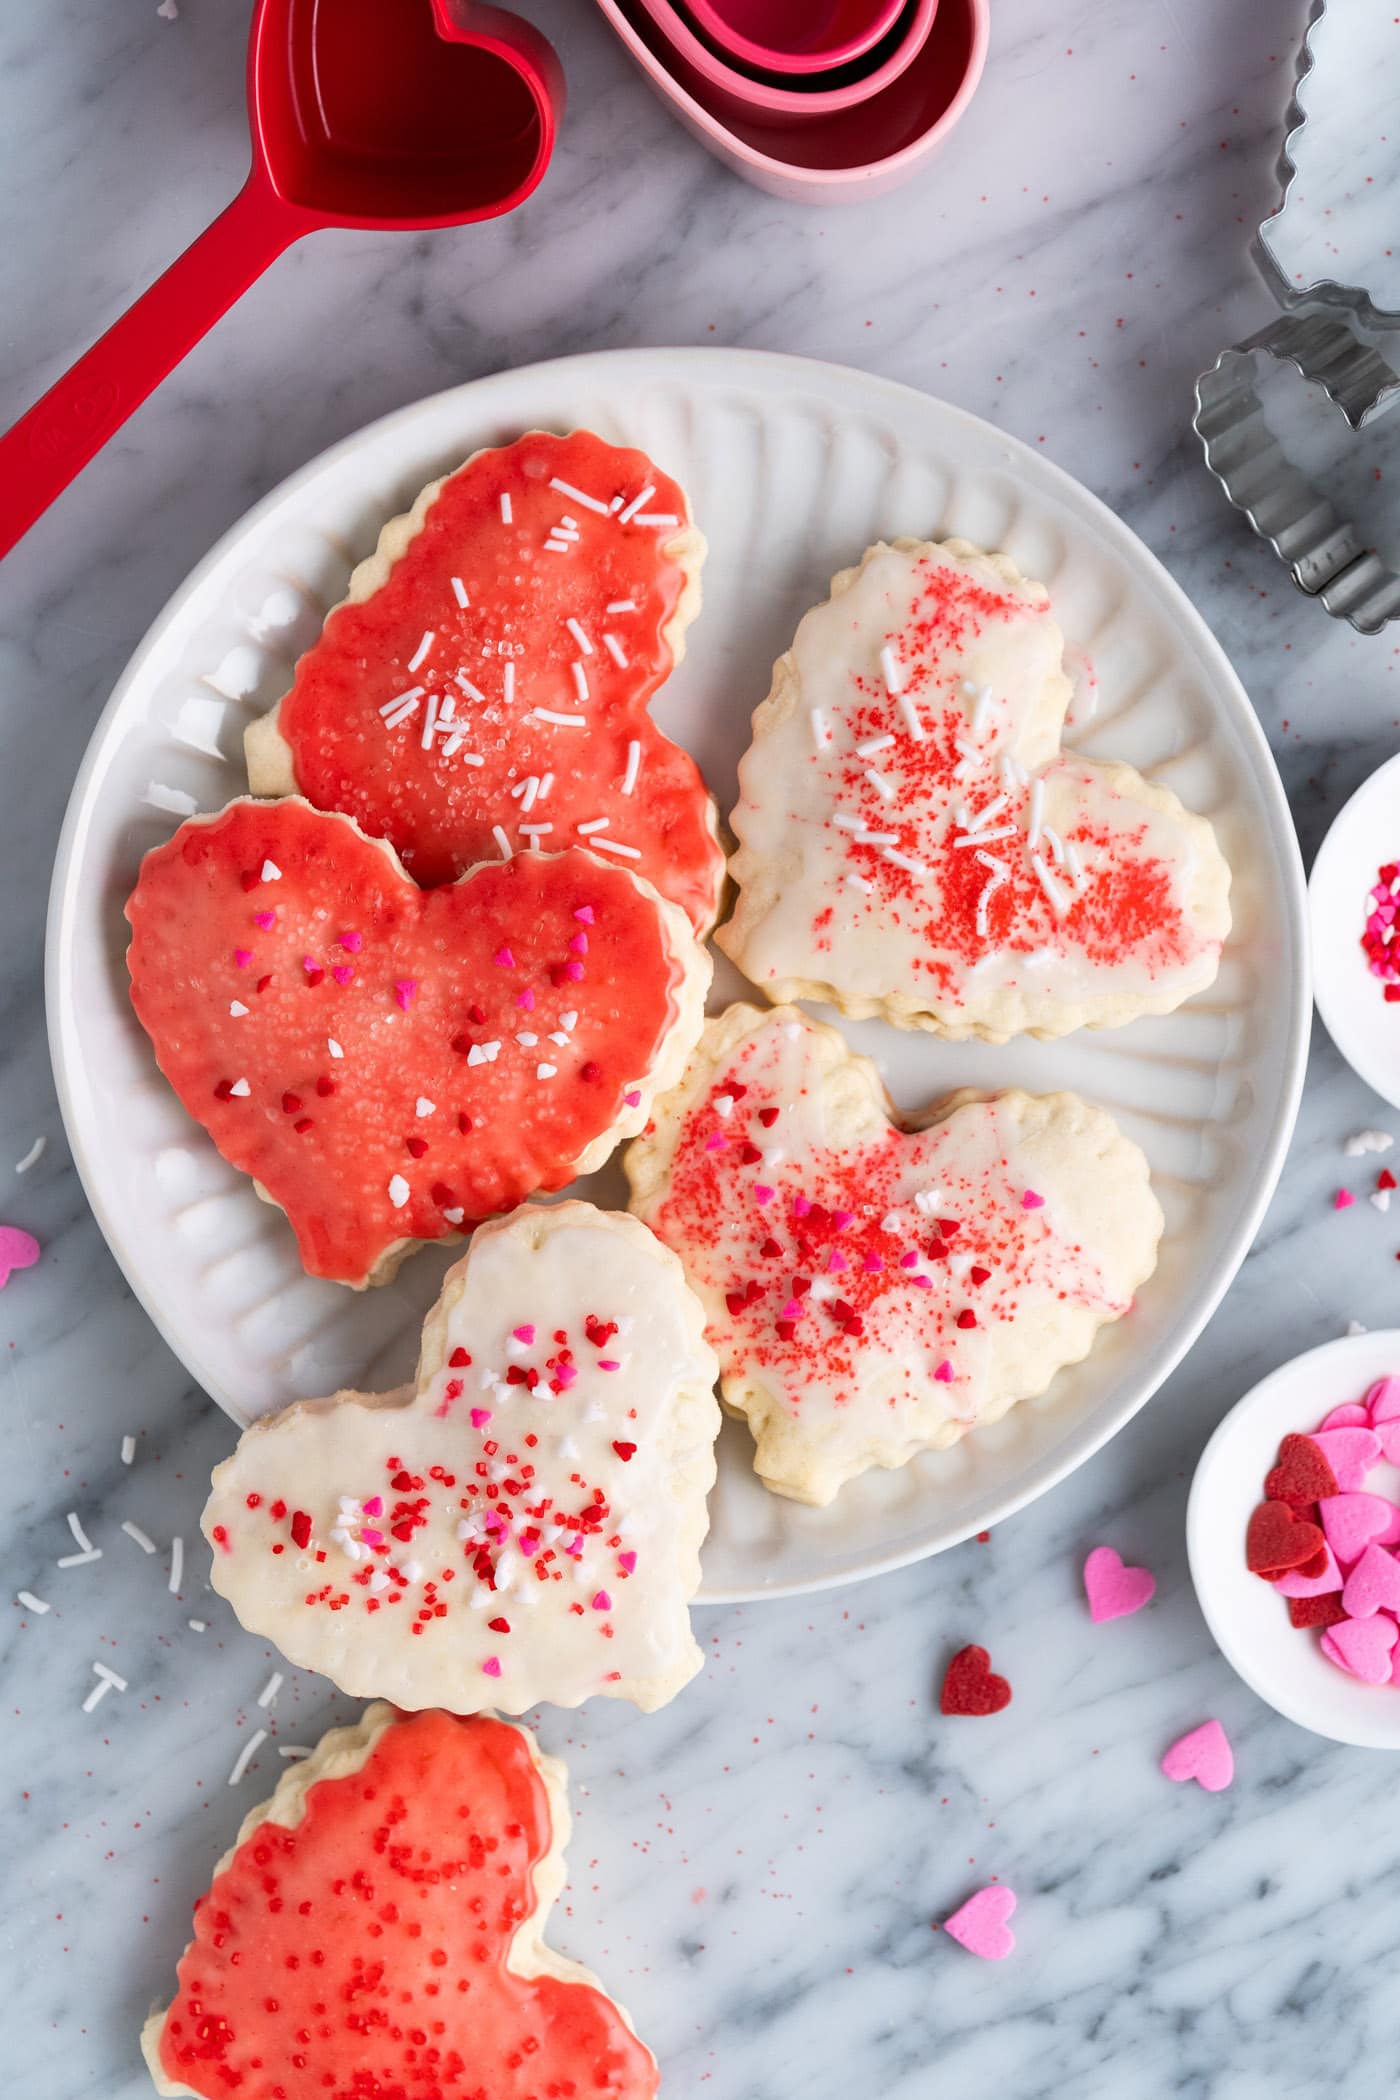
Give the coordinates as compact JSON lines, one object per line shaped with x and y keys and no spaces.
{"x":392,"y":113}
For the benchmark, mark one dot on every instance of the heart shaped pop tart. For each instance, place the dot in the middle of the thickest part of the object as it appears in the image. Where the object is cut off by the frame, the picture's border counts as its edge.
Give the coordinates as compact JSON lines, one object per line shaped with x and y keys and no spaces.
{"x":488,"y":676}
{"x":525,"y":1522}
{"x":377,"y":1930}
{"x":873,"y":1291}
{"x":914,"y":843}
{"x":392,"y":1064}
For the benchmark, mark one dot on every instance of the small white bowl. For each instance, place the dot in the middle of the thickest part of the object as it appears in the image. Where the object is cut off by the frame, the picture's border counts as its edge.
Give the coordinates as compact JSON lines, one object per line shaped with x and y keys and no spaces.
{"x":1284,"y":1664}
{"x":1365,"y":834}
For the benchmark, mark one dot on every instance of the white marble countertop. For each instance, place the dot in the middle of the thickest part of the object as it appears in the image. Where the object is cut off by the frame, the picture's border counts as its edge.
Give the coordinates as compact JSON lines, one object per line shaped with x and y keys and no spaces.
{"x":756,"y":1869}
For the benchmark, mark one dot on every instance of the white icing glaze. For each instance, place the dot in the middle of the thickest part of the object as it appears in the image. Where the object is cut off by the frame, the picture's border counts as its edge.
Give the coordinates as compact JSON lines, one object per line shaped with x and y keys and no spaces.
{"x":525,"y":1277}
{"x":904,"y":879}
{"x":943,"y":1204}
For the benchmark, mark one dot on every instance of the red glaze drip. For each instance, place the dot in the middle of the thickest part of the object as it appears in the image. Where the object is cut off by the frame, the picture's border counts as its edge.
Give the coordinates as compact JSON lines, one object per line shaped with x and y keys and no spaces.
{"x":405,"y":984}
{"x":437,"y":810}
{"x":362,"y":1955}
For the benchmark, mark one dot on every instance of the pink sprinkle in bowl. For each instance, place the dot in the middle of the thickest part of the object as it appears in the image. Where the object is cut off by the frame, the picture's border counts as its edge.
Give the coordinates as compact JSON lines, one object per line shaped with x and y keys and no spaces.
{"x":1364,"y":837}
{"x":1249,"y":1621}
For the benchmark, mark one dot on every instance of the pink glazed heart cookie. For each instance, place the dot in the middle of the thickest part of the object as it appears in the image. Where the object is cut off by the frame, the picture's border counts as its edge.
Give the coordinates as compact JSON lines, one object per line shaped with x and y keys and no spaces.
{"x":525,"y":1521}
{"x":390,"y":1064}
{"x":488,"y":677}
{"x":377,"y":1930}
{"x":874,"y":1291}
{"x":914,"y":843}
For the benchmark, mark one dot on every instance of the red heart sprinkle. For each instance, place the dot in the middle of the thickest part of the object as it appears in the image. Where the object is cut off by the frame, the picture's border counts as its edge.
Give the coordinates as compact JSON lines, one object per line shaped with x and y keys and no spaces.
{"x":971,"y":1686}
{"x":625,"y":1451}
{"x":1277,"y":1539}
{"x":1385,"y":1179}
{"x":1316,"y":1611}
{"x":1302,"y":1474}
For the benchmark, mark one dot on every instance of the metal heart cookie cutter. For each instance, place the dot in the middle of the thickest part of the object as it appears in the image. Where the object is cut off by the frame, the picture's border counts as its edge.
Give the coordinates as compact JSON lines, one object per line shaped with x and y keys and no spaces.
{"x":1324,"y":243}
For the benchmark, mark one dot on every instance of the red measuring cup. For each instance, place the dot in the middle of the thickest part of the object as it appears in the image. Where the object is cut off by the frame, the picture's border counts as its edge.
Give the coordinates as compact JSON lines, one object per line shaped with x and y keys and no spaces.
{"x":407,"y":113}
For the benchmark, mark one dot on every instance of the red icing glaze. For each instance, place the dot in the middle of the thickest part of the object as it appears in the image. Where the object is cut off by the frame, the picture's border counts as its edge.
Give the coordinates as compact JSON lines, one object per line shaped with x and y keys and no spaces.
{"x":363,"y":1955}
{"x":341,"y":949}
{"x":615,"y":579}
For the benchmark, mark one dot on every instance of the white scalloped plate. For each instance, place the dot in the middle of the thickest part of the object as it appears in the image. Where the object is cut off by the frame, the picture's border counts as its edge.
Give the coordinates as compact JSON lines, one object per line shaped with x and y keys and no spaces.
{"x":792,"y":468}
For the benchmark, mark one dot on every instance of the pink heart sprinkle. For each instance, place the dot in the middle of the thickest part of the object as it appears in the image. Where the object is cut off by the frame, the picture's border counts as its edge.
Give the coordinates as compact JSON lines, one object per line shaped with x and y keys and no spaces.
{"x":503,"y":959}
{"x":980,"y":1925}
{"x":717,"y":1142}
{"x":836,"y":1260}
{"x":526,"y":999}
{"x":342,"y":973}
{"x":1362,"y":1647}
{"x":800,"y":1206}
{"x":584,"y":914}
{"x":1114,"y":1590}
{"x":1382,"y":1402}
{"x":1351,"y":1522}
{"x":574,"y":972}
{"x":1350,"y":1453}
{"x":1373,"y":1585}
{"x":579,"y":944}
{"x":491,"y":1667}
{"x":909,"y":1260}
{"x":480,"y":1417}
{"x":1295,"y":1585}
{"x":1030,"y":1201}
{"x":404,"y":990}
{"x":353,"y":941}
{"x":602,"y":1601}
{"x":374,"y":1507}
{"x":1389,"y":1435}
{"x":566,"y":1374}
{"x":944,"y":1373}
{"x":608,"y":1363}
{"x":1343,"y":1200}
{"x":243,"y":956}
{"x":1203,"y":1755}
{"x":266,"y":919}
{"x":1348,"y":1417}
{"x":524,"y":1334}
{"x":627,"y":1562}
{"x":872,"y":1262}
{"x":527,"y":1543}
{"x":793,"y":1310}
{"x":762,"y":1194}
{"x":18,"y":1250}
{"x":841,"y":1219}
{"x":633,"y":1097}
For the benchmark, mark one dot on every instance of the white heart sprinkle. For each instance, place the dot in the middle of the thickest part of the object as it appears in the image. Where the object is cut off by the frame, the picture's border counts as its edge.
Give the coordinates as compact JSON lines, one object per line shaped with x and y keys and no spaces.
{"x":333,"y":1046}
{"x":423,"y":1106}
{"x":398,"y":1192}
{"x":241,"y":1088}
{"x":271,"y":872}
{"x":545,"y":1071}
{"x":454,"y":1217}
{"x":237,"y":1009}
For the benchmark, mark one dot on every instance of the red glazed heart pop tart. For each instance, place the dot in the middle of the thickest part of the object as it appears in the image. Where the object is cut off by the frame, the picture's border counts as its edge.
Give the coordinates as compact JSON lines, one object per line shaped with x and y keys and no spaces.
{"x":488,"y":676}
{"x":377,"y":1930}
{"x":392,"y":1064}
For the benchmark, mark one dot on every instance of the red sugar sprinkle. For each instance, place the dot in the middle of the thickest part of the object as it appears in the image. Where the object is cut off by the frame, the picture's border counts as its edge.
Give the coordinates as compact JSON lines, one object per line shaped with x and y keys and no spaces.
{"x":624,"y":1451}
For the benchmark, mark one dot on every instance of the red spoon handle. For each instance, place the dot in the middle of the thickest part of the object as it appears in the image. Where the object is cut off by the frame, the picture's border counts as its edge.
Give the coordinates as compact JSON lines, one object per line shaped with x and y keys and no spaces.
{"x":59,"y":435}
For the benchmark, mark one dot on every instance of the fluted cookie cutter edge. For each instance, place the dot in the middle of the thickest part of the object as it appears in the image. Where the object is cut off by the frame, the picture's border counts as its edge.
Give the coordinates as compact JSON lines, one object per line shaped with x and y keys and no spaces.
{"x":1323,"y":552}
